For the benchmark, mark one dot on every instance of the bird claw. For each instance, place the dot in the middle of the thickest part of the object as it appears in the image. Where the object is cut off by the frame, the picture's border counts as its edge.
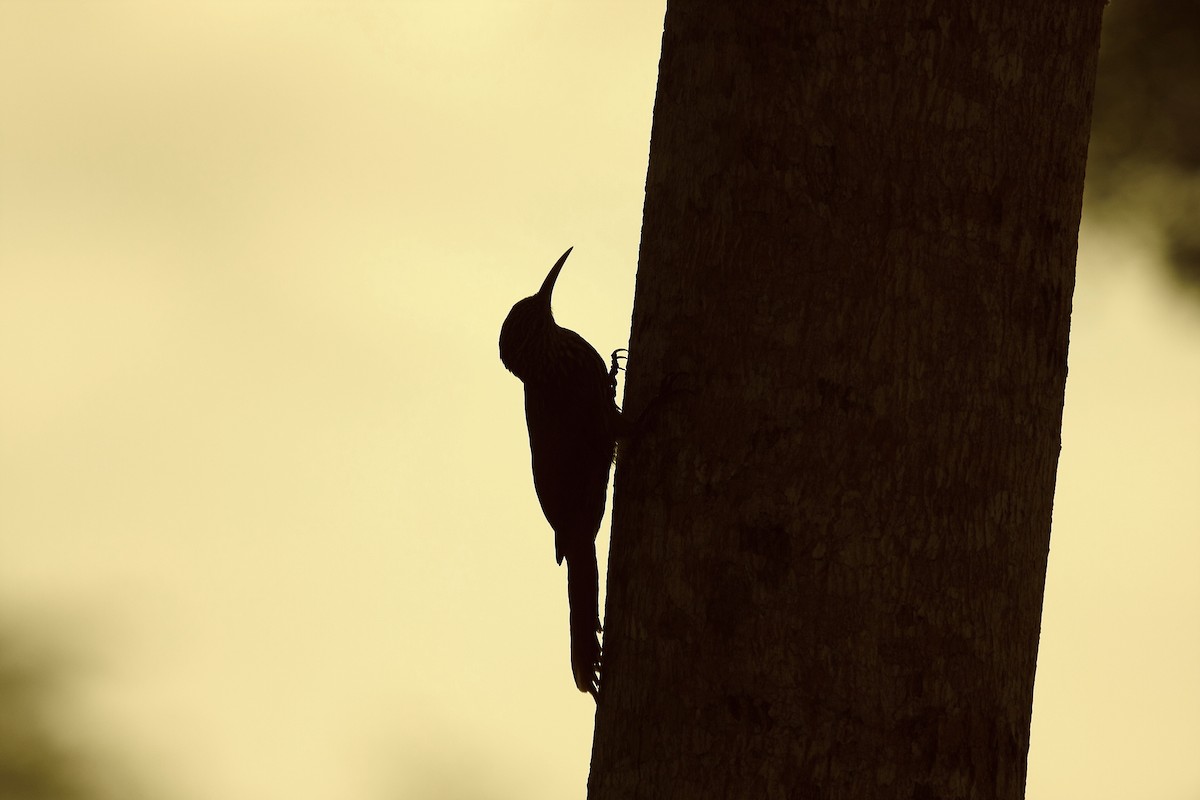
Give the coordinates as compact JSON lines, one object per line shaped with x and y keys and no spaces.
{"x":615,"y":362}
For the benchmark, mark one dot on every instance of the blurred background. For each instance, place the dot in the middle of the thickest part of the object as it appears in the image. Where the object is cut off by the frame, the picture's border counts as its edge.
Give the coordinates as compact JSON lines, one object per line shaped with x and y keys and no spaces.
{"x":267,"y":527}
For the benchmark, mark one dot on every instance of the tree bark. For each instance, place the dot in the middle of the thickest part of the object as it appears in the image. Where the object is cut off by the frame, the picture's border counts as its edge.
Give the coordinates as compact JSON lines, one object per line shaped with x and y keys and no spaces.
{"x":828,"y":553}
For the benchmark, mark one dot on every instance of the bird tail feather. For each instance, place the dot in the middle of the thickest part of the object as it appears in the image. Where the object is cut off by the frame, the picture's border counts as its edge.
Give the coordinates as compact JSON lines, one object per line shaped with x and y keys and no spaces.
{"x":583,"y":587}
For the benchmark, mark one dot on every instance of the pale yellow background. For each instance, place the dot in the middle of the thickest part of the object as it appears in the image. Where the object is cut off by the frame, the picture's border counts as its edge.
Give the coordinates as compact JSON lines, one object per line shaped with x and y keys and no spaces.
{"x":260,"y":465}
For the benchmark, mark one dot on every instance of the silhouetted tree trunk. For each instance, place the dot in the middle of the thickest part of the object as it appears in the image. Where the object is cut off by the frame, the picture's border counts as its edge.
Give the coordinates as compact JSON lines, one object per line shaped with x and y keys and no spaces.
{"x":858,"y":250}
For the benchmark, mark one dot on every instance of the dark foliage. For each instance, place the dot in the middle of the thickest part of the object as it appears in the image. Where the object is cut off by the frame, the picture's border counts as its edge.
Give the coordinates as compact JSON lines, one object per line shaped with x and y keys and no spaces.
{"x":1144,"y":161}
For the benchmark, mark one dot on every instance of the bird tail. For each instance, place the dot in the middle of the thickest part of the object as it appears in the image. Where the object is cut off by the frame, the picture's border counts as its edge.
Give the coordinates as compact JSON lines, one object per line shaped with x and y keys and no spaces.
{"x":583,"y":588}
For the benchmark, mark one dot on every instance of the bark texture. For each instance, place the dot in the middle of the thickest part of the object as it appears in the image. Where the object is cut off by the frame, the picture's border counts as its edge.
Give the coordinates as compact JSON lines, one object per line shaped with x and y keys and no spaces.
{"x":858,"y":250}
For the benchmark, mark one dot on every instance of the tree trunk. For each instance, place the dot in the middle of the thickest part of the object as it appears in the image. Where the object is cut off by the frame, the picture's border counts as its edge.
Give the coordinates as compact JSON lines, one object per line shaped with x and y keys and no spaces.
{"x":828,"y":554}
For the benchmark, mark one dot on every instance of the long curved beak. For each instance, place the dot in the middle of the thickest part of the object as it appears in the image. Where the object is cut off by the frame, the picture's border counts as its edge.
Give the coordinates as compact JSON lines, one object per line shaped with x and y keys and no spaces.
{"x":548,"y":284}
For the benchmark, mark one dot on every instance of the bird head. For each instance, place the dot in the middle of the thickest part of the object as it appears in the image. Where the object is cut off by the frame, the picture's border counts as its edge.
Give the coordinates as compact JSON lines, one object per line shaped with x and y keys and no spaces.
{"x":529,"y":323}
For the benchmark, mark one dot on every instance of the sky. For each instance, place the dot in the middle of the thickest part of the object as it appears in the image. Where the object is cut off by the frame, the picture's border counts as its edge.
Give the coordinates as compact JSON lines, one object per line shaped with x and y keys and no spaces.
{"x":265,"y":482}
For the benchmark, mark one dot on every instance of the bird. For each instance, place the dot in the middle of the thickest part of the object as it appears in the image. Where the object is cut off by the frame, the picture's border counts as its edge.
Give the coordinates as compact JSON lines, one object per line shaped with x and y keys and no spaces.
{"x":574,"y":423}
